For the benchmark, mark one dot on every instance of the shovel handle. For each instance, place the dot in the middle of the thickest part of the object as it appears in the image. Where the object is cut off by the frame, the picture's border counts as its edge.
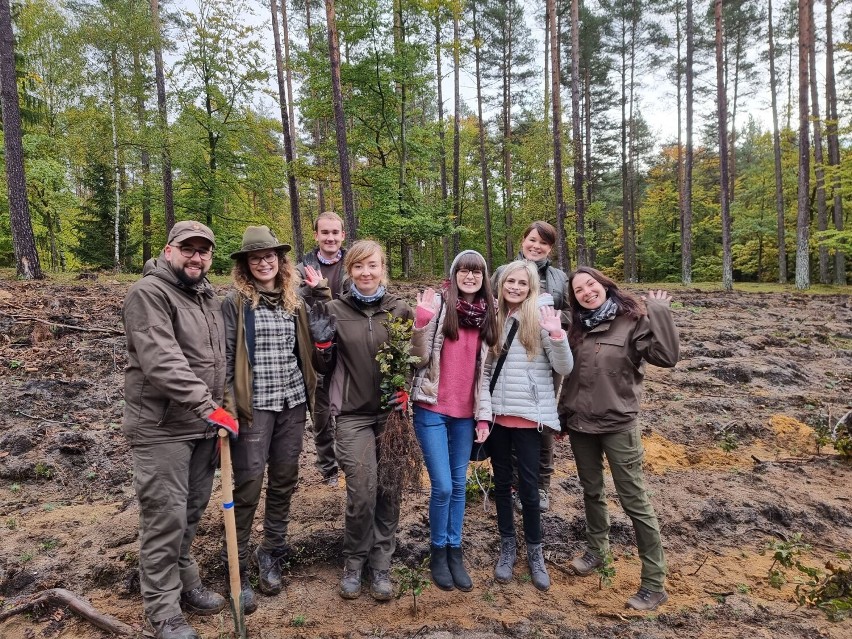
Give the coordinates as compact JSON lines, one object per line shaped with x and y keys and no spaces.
{"x":230,"y":525}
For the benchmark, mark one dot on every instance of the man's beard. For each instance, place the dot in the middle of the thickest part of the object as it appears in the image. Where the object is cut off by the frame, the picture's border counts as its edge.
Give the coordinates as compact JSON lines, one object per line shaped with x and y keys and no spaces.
{"x":187,"y":280}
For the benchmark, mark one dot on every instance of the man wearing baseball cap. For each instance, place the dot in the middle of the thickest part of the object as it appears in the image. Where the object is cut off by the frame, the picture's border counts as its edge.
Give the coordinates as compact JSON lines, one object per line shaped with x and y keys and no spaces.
{"x":173,"y":390}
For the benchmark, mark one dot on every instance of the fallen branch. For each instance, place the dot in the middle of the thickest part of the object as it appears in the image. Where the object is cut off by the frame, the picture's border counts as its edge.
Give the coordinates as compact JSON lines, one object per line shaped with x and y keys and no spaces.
{"x":700,"y":566}
{"x":84,"y":329}
{"x":63,"y":597}
{"x":726,"y":593}
{"x":43,"y":419}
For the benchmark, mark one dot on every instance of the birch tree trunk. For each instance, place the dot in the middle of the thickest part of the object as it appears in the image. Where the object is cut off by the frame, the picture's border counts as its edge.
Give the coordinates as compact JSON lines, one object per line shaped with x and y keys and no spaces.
{"x":803,"y":276}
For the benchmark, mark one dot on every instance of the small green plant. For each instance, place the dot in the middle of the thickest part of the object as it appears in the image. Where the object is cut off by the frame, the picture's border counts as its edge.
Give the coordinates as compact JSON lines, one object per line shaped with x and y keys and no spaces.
{"x":15,"y":488}
{"x":91,"y":475}
{"x":488,"y":597}
{"x":606,"y":572}
{"x":743,"y":589}
{"x":299,"y":621}
{"x":43,"y":471}
{"x":49,"y":508}
{"x":729,"y":442}
{"x":26,"y":556}
{"x":785,"y":554}
{"x":831,"y":592}
{"x":12,"y":523}
{"x":480,"y":483}
{"x":49,"y":544}
{"x":413,"y":580}
{"x":15,"y":363}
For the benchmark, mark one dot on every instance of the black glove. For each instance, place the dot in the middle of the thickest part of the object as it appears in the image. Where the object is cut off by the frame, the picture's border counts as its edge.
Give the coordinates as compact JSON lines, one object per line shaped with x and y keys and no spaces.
{"x":323,"y":325}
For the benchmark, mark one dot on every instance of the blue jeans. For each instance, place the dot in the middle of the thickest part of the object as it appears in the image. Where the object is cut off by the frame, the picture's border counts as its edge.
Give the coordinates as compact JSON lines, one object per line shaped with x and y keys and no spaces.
{"x":446,"y":443}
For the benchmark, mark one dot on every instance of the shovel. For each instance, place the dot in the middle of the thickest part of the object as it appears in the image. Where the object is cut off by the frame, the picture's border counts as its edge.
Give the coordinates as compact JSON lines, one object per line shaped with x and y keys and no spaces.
{"x":236,"y":599}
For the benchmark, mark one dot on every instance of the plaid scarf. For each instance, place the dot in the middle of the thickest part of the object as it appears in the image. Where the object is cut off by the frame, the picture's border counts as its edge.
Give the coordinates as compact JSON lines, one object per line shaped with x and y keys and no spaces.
{"x":471,"y":314}
{"x":603,"y":313}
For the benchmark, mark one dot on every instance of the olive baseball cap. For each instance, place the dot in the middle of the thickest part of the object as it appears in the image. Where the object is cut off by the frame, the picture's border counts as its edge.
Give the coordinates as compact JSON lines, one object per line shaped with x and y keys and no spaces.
{"x":187,"y":229}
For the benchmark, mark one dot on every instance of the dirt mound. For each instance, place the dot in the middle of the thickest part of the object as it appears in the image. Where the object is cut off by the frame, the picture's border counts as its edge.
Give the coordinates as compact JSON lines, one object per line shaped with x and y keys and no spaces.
{"x":730,"y":451}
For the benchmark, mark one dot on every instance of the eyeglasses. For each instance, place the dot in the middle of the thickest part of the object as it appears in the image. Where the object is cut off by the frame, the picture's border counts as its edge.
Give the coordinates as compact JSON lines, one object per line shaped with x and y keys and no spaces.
{"x":269,"y":258}
{"x":189,"y":252}
{"x":465,"y":272}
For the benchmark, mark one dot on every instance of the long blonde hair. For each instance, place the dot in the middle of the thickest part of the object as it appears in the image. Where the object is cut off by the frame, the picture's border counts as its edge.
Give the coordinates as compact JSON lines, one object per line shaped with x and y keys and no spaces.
{"x":529,"y":329}
{"x":285,"y":281}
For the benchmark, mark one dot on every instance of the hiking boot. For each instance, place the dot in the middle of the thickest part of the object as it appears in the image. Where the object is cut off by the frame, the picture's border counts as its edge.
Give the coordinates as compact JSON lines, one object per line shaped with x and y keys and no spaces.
{"x":506,"y":562}
{"x":585,"y":564}
{"x":350,"y":584}
{"x":543,"y":500}
{"x":646,"y":600}
{"x":247,"y":594}
{"x":538,"y":572}
{"x":269,"y":571}
{"x":173,"y":628}
{"x":201,"y":601}
{"x":381,"y":588}
{"x":455,"y":562}
{"x":441,"y":575}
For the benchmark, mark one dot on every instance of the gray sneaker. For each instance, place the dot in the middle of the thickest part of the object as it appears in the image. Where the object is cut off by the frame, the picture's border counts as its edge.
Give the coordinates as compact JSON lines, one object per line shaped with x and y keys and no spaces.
{"x":381,"y":588}
{"x":506,"y":563}
{"x":350,"y":584}
{"x":543,"y":500}
{"x":646,"y":600}
{"x":585,"y":564}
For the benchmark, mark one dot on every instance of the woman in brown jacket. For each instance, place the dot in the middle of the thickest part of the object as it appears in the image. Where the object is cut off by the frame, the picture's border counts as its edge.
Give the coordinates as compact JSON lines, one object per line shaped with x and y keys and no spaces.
{"x":612,"y":337}
{"x":348,"y":333}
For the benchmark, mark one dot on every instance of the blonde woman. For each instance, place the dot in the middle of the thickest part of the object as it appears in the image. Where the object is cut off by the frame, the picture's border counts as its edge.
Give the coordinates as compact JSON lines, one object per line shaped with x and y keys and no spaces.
{"x":269,"y":386}
{"x":347,"y":334}
{"x":517,"y":404}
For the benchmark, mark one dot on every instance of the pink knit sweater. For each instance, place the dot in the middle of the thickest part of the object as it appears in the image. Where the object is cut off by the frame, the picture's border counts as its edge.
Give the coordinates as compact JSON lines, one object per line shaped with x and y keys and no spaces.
{"x":457,"y":372}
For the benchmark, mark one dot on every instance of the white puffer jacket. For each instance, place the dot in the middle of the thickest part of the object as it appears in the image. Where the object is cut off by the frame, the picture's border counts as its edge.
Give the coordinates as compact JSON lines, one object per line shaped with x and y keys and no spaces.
{"x":524,"y":387}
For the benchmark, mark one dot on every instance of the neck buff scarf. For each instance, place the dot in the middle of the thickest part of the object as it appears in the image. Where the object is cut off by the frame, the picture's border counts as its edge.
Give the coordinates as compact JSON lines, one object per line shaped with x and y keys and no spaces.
{"x":368,"y":299}
{"x":471,"y":314}
{"x":603,"y":313}
{"x":541,"y":264}
{"x":329,"y":262}
{"x":270,"y":298}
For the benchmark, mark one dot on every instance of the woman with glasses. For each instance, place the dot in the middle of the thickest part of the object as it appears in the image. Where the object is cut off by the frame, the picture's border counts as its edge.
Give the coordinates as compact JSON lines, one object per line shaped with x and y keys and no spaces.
{"x":269,"y":387}
{"x":453,"y":331}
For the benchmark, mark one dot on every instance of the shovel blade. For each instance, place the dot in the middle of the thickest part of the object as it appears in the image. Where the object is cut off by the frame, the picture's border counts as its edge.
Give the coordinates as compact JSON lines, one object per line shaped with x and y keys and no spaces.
{"x":238,"y":613}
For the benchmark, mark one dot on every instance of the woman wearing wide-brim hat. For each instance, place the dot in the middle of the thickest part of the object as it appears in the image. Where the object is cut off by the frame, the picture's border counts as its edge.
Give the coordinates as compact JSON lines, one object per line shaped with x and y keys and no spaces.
{"x":269,"y":387}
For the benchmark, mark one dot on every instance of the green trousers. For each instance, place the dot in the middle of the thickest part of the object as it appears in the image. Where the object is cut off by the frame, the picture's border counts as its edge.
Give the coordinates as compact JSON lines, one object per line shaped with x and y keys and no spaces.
{"x":272,"y":443}
{"x":173,"y":482}
{"x":372,"y":514}
{"x":624,"y":453}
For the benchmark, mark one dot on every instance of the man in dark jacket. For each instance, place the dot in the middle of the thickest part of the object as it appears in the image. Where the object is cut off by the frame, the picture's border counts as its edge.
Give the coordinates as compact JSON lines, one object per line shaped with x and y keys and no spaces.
{"x":173,"y":389}
{"x":327,"y":258}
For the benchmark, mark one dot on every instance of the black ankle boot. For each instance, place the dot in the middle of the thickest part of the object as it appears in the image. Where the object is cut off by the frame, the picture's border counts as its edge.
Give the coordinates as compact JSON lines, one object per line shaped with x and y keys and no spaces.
{"x":440,"y":570}
{"x":455,"y":561}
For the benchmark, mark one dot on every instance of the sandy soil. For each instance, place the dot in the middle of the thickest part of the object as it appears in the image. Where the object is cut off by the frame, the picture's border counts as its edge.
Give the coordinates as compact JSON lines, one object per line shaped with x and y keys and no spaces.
{"x":758,"y":373}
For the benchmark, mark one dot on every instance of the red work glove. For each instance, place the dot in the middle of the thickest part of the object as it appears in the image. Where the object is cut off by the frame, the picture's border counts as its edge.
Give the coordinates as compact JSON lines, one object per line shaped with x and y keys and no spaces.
{"x":222,"y":419}
{"x":399,"y":401}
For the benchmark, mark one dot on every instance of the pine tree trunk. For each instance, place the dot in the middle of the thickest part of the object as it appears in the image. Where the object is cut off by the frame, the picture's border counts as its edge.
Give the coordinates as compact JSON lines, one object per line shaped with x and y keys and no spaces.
{"x":316,"y":133}
{"x":27,"y":265}
{"x":556,"y":99}
{"x":776,"y":137}
{"x":456,"y":131}
{"x":289,"y":74}
{"x":833,"y":142}
{"x":722,"y":100}
{"x":483,"y":164}
{"x":803,"y":276}
{"x":686,"y":217}
{"x":295,"y":213}
{"x":168,"y":194}
{"x":819,"y":166}
{"x":445,"y":240}
{"x":507,"y":144}
{"x":340,"y":125}
{"x":579,"y":202}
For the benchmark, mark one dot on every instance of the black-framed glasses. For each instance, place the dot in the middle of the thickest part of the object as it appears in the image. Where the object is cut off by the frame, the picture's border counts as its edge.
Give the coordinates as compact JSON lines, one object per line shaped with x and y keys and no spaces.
{"x":189,"y":252}
{"x":269,"y":258}
{"x":464,"y":272}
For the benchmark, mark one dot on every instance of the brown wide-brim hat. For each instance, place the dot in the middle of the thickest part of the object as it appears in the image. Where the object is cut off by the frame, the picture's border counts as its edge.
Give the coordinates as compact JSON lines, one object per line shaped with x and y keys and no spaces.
{"x":258,"y":238}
